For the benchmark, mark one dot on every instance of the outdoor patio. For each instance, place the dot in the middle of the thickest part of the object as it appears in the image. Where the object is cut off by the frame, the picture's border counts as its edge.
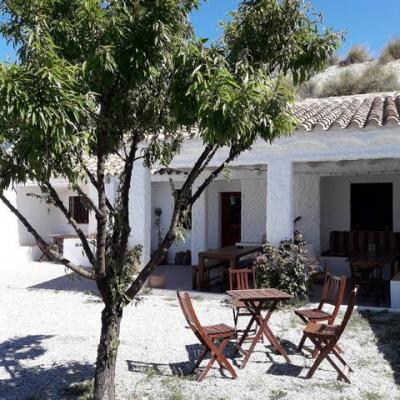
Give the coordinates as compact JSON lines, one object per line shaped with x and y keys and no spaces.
{"x":53,"y":339}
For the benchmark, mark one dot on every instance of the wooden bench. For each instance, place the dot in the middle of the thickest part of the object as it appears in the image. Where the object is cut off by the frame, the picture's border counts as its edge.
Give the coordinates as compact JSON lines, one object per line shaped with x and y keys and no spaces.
{"x":346,"y":243}
{"x":208,"y":279}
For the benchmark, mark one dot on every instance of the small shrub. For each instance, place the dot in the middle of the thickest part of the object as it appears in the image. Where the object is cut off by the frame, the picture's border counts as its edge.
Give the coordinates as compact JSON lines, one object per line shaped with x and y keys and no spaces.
{"x":308,"y":89}
{"x":374,"y":78}
{"x":333,"y":59}
{"x":345,"y":83}
{"x":357,"y":54}
{"x":391,"y":52}
{"x":283,"y":267}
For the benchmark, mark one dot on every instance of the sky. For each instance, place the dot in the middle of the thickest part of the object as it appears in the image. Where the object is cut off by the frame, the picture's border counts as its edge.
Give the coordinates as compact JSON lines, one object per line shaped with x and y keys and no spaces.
{"x":368,"y":22}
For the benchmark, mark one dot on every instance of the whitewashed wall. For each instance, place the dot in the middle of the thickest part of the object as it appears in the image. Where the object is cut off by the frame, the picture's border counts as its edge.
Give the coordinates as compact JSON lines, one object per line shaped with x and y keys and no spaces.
{"x":254,"y":205}
{"x":9,"y":234}
{"x":335,"y":202}
{"x":45,"y":218}
{"x":161,"y":196}
{"x":307,"y":206}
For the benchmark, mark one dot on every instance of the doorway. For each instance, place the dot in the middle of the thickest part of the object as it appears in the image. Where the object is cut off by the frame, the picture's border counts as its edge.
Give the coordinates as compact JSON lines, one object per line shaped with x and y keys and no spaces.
{"x":231,"y":218}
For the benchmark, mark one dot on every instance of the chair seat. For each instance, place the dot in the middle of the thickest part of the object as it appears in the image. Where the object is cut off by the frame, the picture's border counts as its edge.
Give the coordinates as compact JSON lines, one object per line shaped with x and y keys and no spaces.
{"x":219,"y":331}
{"x":314,"y":314}
{"x":321,"y":330}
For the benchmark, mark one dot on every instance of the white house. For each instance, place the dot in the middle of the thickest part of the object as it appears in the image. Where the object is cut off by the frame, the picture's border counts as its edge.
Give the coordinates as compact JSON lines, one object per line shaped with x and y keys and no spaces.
{"x":339,"y":172}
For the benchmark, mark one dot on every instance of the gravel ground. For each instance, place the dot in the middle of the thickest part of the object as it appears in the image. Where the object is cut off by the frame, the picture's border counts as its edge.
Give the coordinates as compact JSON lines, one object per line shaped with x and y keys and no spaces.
{"x":48,"y":340}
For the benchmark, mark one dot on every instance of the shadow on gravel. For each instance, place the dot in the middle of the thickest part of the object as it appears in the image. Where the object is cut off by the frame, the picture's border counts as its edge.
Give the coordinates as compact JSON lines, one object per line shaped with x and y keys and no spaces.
{"x":68,"y":282}
{"x":386,"y":328}
{"x":179,"y":369}
{"x":35,"y":382}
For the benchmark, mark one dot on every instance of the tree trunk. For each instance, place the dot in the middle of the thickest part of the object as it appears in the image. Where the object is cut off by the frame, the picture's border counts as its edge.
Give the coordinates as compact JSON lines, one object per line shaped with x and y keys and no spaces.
{"x":104,"y":388}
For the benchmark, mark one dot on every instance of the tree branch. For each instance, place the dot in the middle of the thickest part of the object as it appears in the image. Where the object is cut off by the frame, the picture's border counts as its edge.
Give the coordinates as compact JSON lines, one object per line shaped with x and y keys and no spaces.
{"x":169,"y":238}
{"x":123,"y":207}
{"x":52,"y":254}
{"x":93,"y":181}
{"x":212,"y":176}
{"x":60,"y":205}
{"x":88,"y":200}
{"x":102,"y":217}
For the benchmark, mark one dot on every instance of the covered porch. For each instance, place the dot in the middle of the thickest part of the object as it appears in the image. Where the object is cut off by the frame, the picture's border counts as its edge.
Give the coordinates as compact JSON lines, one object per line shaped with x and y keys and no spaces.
{"x":254,"y":203}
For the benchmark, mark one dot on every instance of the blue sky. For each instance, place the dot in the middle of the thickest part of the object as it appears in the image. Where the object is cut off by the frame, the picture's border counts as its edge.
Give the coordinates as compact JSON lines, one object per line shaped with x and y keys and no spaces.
{"x":368,"y":22}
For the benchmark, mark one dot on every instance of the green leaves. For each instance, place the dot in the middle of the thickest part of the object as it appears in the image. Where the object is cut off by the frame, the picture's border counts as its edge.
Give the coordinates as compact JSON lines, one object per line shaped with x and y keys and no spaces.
{"x":41,"y":114}
{"x":280,"y":36}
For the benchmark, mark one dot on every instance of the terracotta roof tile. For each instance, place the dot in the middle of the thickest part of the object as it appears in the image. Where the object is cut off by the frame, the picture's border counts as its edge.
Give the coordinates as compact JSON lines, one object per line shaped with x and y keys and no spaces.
{"x":349,"y":111}
{"x":358,"y":111}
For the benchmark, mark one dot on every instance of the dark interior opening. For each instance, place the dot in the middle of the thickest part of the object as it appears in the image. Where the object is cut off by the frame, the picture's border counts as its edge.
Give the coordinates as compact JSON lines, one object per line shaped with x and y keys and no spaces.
{"x":372,"y":206}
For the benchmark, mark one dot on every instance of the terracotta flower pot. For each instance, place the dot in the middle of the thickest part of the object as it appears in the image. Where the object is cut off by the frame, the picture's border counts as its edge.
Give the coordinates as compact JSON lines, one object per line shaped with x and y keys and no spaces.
{"x":157,"y":282}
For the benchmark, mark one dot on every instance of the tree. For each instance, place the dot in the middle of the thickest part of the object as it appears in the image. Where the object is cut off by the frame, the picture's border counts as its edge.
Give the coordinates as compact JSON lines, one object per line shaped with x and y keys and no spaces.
{"x":130,"y":79}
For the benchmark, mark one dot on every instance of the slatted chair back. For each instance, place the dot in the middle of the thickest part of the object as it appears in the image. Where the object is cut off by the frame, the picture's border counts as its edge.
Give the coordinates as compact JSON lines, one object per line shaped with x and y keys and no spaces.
{"x":242,"y":279}
{"x":333,"y":293}
{"x":190,"y":315}
{"x":349,"y":312}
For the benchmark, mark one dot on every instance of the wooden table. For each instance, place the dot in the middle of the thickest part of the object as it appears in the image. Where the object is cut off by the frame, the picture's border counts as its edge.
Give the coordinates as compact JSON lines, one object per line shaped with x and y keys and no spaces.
{"x":255,"y":300}
{"x":231,"y":254}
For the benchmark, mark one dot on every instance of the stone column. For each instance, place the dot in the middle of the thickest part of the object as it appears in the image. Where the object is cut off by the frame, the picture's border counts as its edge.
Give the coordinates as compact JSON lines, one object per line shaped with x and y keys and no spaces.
{"x":199,"y":223}
{"x":140,"y":210}
{"x":280,"y":201}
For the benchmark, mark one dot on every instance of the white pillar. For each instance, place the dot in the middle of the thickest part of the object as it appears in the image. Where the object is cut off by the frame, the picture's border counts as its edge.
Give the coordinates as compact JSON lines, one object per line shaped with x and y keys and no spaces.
{"x":280,"y":213}
{"x":199,"y":223}
{"x":308,"y":207}
{"x":10,"y":249}
{"x":140,"y":210}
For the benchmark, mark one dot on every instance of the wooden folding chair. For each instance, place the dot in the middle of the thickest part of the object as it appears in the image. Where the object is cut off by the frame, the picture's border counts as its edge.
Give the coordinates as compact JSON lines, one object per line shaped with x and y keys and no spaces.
{"x":241,"y":279}
{"x":332,"y":294}
{"x":325,"y":338}
{"x":214,"y":338}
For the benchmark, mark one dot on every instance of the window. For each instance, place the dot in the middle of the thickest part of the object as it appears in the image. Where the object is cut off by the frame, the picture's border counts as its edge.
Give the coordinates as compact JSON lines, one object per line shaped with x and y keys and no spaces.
{"x":372,"y":206}
{"x":78,"y":210}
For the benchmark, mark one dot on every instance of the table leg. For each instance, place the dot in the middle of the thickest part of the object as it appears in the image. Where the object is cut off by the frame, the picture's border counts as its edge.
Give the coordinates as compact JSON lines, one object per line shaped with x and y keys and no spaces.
{"x":244,"y":335}
{"x":201,"y":272}
{"x":255,"y":310}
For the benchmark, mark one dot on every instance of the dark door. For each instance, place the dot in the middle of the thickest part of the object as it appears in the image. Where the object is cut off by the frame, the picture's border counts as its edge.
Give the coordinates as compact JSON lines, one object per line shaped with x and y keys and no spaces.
{"x":372,"y":206}
{"x":231,"y":208}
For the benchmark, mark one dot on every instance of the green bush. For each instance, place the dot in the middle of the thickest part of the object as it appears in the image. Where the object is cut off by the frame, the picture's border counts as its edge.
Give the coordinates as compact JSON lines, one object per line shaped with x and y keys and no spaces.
{"x":284,"y":268}
{"x":374,"y":78}
{"x":357,"y":54}
{"x":391,"y":52}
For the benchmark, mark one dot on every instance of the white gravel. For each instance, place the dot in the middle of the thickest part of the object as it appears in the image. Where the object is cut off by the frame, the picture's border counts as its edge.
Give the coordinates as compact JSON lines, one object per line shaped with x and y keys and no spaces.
{"x":48,"y":340}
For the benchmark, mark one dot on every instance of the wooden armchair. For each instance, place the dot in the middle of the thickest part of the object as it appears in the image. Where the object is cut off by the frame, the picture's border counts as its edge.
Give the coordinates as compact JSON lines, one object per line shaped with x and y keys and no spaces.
{"x":325,"y":338}
{"x":209,"y":337}
{"x":332,"y":294}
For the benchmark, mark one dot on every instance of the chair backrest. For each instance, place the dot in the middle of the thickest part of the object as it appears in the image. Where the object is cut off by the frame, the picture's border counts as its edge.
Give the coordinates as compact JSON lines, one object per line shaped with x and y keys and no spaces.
{"x":190,"y":315}
{"x":349,"y":311}
{"x":333,"y":293}
{"x":239,"y":279}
